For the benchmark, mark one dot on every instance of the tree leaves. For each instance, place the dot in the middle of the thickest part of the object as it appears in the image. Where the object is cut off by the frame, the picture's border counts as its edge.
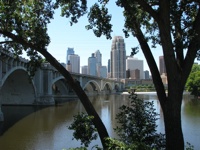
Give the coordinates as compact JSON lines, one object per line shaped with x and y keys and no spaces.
{"x":99,"y":20}
{"x":137,"y":124}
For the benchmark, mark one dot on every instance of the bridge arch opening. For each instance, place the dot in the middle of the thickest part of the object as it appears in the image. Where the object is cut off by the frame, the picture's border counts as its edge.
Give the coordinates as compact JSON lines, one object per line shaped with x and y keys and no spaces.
{"x":60,"y":87}
{"x":117,"y":88}
{"x":17,"y":88}
{"x":92,"y":88}
{"x":107,"y":88}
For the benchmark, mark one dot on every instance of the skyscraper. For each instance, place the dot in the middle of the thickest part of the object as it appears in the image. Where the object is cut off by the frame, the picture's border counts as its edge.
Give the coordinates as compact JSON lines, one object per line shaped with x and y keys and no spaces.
{"x":162,"y":65}
{"x":74,"y":61}
{"x":92,"y":61}
{"x":103,"y":71}
{"x":98,"y":56}
{"x":108,"y":65}
{"x":146,"y":74}
{"x":133,"y":64}
{"x":70,"y":51}
{"x":84,"y":69}
{"x":108,"y":74}
{"x":118,"y":58}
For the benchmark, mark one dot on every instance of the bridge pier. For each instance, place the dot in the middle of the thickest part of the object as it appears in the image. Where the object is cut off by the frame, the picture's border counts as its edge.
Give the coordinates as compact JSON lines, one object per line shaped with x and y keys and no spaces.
{"x":45,"y":100}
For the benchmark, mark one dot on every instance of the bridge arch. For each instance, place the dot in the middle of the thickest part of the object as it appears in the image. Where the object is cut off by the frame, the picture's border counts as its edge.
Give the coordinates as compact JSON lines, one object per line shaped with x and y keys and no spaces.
{"x":17,"y":88}
{"x":116,"y":87}
{"x":60,"y":86}
{"x":11,"y":71}
{"x":107,"y":88}
{"x":91,"y":87}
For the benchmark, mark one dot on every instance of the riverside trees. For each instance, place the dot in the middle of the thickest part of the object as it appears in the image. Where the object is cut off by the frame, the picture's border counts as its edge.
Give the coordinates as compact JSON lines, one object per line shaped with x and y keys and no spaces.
{"x":172,"y":24}
{"x":193,"y":82}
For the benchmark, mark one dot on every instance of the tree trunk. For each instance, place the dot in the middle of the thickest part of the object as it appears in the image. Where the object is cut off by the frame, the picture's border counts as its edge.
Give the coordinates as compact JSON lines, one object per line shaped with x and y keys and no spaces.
{"x":81,"y":94}
{"x":172,"y":119}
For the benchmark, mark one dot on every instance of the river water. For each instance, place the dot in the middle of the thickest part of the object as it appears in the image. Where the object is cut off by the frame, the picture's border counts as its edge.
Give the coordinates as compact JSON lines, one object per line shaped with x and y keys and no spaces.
{"x":30,"y":128}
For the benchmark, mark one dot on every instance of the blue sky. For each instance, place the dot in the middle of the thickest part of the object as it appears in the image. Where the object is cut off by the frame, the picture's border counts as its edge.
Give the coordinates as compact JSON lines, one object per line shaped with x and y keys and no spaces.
{"x":85,"y":42}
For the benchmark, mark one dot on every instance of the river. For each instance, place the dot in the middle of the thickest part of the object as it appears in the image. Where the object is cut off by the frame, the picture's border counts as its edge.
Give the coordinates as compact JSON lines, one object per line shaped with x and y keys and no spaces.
{"x":32,"y":128}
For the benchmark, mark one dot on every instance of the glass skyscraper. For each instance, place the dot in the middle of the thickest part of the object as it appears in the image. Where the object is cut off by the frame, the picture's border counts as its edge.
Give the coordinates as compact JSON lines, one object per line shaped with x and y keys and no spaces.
{"x":70,"y":51}
{"x":92,"y":65}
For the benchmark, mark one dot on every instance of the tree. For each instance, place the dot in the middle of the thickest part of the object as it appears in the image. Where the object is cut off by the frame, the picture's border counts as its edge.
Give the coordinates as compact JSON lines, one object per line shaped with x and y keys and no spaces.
{"x":193,"y":82}
{"x":23,"y":26}
{"x":171,"y":24}
{"x":137,"y":124}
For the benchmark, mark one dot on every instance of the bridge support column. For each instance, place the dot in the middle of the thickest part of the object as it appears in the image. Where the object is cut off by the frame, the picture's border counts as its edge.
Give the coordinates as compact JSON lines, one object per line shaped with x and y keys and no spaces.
{"x":81,"y":81}
{"x":43,"y":79}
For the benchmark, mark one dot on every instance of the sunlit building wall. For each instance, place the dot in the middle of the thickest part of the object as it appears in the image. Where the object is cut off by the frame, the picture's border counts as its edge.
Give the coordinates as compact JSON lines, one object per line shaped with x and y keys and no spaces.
{"x":118,"y":58}
{"x":133,"y":63}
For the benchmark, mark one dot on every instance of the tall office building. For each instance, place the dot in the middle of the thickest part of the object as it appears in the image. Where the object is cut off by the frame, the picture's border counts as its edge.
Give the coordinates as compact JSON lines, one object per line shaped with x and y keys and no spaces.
{"x":108,"y":65}
{"x":84,"y":69}
{"x":132,"y":64}
{"x":98,"y":56}
{"x":146,"y":74}
{"x":108,"y":74}
{"x":92,"y":67}
{"x":135,"y":74}
{"x":74,"y":61}
{"x":162,"y":65}
{"x":118,"y":58}
{"x":70,"y":51}
{"x":103,"y":71}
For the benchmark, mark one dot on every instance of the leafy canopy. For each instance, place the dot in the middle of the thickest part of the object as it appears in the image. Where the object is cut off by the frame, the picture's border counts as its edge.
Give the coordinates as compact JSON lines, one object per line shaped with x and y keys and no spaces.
{"x":193,"y":82}
{"x":137,"y":124}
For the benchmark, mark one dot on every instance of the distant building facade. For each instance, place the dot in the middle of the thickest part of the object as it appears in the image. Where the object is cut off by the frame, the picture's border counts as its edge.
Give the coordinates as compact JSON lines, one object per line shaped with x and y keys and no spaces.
{"x":103,"y":71}
{"x":70,"y":51}
{"x":98,"y":56}
{"x":108,"y":73}
{"x":84,"y":69}
{"x":92,"y":63}
{"x":118,"y":58}
{"x":162,"y":67}
{"x":136,"y":68}
{"x":146,"y":74}
{"x":74,"y":62}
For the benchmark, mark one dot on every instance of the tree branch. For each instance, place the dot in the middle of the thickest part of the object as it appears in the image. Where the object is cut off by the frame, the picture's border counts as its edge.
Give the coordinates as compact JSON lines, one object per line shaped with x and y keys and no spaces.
{"x":148,"y":8}
{"x":149,"y":57}
{"x":6,"y":42}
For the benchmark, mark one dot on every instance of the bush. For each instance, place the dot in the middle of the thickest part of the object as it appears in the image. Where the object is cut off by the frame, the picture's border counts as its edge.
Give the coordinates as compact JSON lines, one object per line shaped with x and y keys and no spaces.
{"x":137,"y":124}
{"x":84,"y":129}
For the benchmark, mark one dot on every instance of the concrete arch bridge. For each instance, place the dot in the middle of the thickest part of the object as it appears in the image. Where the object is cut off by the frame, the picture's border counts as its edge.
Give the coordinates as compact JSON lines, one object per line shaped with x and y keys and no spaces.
{"x":16,"y":88}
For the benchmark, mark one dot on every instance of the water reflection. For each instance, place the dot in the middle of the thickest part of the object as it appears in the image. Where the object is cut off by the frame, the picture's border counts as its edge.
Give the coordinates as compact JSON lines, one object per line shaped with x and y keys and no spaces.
{"x":47,"y":129}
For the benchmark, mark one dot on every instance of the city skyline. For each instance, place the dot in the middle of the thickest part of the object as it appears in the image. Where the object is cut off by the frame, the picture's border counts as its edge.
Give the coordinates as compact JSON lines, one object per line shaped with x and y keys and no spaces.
{"x":85,"y":42}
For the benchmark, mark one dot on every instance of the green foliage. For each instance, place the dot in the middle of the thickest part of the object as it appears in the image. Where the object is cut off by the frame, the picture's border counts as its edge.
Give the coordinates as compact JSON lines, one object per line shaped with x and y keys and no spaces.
{"x":99,"y":20}
{"x":137,"y":124}
{"x":72,"y":9}
{"x":23,"y":26}
{"x":84,"y":129}
{"x":189,"y":146}
{"x":113,"y":144}
{"x":193,"y":82}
